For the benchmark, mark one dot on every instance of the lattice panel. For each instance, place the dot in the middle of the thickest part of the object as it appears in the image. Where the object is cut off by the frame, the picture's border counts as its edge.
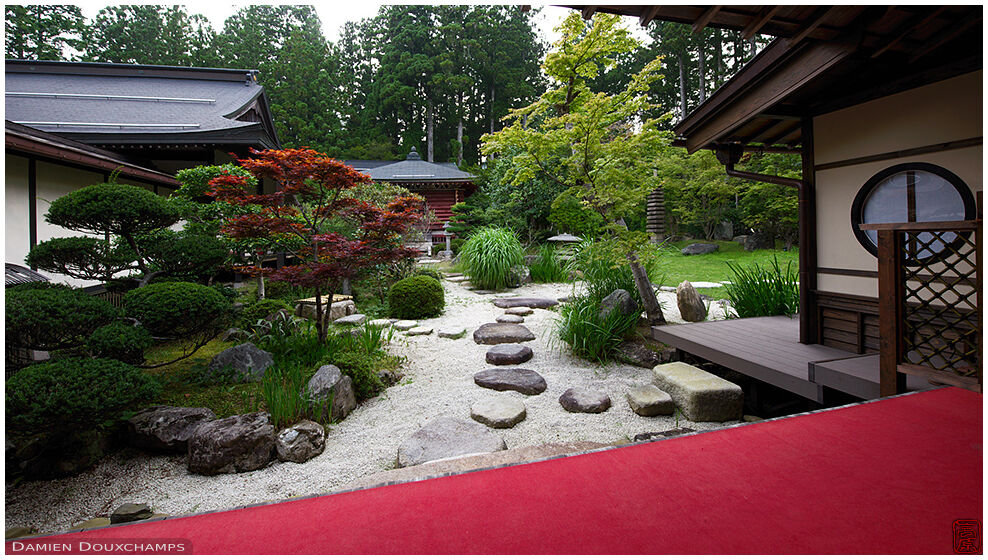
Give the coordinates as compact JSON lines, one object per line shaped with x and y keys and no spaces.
{"x":942,"y":324}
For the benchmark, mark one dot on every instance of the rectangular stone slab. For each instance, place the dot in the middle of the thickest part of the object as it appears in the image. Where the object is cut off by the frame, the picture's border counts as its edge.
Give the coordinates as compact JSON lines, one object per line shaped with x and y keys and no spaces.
{"x":701,"y":396}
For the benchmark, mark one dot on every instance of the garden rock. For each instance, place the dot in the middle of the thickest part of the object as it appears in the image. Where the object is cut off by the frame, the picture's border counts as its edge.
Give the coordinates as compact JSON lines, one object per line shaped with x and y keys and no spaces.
{"x":166,"y":428}
{"x":514,"y":319}
{"x":355,"y":319}
{"x":390,"y":377}
{"x":457,"y":279}
{"x":405,"y":325}
{"x":447,"y":437}
{"x":724,"y":231}
{"x":701,"y":396}
{"x":452,"y":332}
{"x":499,"y":411}
{"x":637,"y":354}
{"x":508,"y":354}
{"x":235,"y":444}
{"x":246,"y":359}
{"x":300,"y":442}
{"x":42,"y":457}
{"x":91,"y":524}
{"x":380,"y":323}
{"x":518,"y":275}
{"x":691,"y":306}
{"x":518,"y":311}
{"x":333,"y":389}
{"x":700,"y":248}
{"x":649,"y":400}
{"x":620,"y":301}
{"x":419,"y":331}
{"x":585,"y":400}
{"x":759,"y":240}
{"x":340,"y":309}
{"x":130,"y":512}
{"x":497,"y":333}
{"x":524,"y":381}
{"x":666,"y":434}
{"x":533,"y":302}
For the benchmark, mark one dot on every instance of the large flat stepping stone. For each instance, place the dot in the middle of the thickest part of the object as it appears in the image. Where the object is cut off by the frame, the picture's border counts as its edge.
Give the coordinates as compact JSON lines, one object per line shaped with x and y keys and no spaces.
{"x":525,"y":381}
{"x":537,"y":303}
{"x":419,"y":331}
{"x":585,"y":400}
{"x":499,"y":411}
{"x":380,"y":323}
{"x":649,"y":400}
{"x":518,"y":311}
{"x":497,"y":333}
{"x":355,"y":319}
{"x":405,"y":325}
{"x":458,"y":279}
{"x":701,"y":396}
{"x":452,"y":332}
{"x":505,"y":295}
{"x":447,"y":437}
{"x":508,"y":354}
{"x":513,"y":319}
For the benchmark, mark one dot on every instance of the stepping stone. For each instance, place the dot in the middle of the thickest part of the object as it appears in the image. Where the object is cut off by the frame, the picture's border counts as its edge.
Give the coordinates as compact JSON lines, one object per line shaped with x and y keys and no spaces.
{"x":505,"y":295}
{"x":497,"y":333}
{"x":701,"y":396}
{"x":649,"y":400}
{"x":525,"y":381}
{"x":419,"y":331}
{"x":668,"y":433}
{"x":509,"y":354}
{"x":564,"y":299}
{"x":452,"y":332}
{"x":499,"y":411}
{"x":585,"y":400}
{"x":130,"y":512}
{"x":458,"y":279}
{"x":518,"y":311}
{"x":355,"y":319}
{"x":429,"y":261}
{"x":510,"y":319}
{"x":405,"y":325}
{"x":482,"y":292}
{"x":538,"y":303}
{"x":380,"y":323}
{"x":447,"y":437}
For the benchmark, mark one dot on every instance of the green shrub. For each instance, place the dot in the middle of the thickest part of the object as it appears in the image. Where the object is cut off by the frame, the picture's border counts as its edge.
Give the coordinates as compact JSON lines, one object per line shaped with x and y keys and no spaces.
{"x":195,"y":180}
{"x":757,"y":292}
{"x":177,"y":309}
{"x":183,"y":254}
{"x":74,"y":393}
{"x":569,"y":215}
{"x":549,"y":267}
{"x":369,"y":338}
{"x":424,"y":271}
{"x":112,"y":207}
{"x":488,"y":256}
{"x":416,"y":297}
{"x":284,"y":291}
{"x":120,"y":341}
{"x":579,"y":325}
{"x":456,"y":245}
{"x":86,"y":258}
{"x":260,"y":310}
{"x":53,"y":317}
{"x":362,"y":368}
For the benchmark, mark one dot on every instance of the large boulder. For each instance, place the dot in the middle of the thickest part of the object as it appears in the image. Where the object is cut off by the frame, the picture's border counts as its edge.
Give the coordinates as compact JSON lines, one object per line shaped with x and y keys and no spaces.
{"x":447,"y":437}
{"x":518,"y":275}
{"x":300,"y":442}
{"x":534,"y":302}
{"x":691,"y":306}
{"x":700,"y":395}
{"x":235,"y":444}
{"x":334,"y":391}
{"x":620,"y":301}
{"x":498,"y":333}
{"x":248,"y":361}
{"x":699,"y":249}
{"x":585,"y":400}
{"x":166,"y":428}
{"x":525,"y":381}
{"x":759,"y":240}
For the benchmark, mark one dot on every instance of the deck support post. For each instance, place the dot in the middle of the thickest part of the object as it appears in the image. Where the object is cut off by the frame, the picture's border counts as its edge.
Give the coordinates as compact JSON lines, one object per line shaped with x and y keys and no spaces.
{"x":890,"y":307}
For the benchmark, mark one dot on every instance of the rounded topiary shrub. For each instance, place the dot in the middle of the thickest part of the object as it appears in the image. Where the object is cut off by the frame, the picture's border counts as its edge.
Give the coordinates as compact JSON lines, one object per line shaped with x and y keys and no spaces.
{"x":74,"y":393}
{"x":120,"y":341}
{"x":416,"y":297}
{"x":176,"y":309}
{"x":114,"y":207}
{"x":260,"y":310}
{"x":53,"y":317}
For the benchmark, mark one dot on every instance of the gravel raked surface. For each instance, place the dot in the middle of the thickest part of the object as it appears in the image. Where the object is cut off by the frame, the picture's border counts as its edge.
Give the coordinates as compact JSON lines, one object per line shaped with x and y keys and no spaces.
{"x":438,"y":382}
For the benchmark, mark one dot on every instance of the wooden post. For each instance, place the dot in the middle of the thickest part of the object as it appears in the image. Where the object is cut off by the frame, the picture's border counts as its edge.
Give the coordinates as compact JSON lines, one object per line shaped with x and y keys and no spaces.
{"x":809,"y":312}
{"x":890,"y":308}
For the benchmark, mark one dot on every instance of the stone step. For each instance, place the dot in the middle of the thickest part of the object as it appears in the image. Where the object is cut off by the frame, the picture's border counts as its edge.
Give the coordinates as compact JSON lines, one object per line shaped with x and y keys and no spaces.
{"x":497,"y":333}
{"x":524,"y":381}
{"x":700,"y":395}
{"x":510,"y":319}
{"x":508,"y":354}
{"x":590,"y":401}
{"x":499,"y":411}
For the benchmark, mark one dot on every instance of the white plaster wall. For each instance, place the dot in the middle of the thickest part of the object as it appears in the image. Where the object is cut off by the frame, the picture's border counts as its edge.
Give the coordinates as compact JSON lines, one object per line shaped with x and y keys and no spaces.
{"x":17,"y":228}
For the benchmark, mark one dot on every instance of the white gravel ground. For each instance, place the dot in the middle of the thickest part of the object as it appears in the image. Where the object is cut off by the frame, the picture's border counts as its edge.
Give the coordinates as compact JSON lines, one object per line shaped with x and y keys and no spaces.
{"x":438,"y":382}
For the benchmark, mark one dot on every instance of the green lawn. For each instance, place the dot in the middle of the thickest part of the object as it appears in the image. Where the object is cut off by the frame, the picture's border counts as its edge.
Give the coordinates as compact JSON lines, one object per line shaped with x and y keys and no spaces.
{"x":676,"y":267}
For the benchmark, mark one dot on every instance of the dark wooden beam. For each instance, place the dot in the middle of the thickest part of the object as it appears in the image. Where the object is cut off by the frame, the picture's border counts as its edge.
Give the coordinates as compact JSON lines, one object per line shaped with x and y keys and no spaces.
{"x":946,"y":38}
{"x":820,"y":17}
{"x":758,"y":131}
{"x":785,"y":132}
{"x":588,"y":11}
{"x":648,"y":15}
{"x":809,"y":326}
{"x":914,"y":23}
{"x":752,"y":28}
{"x":705,"y":18}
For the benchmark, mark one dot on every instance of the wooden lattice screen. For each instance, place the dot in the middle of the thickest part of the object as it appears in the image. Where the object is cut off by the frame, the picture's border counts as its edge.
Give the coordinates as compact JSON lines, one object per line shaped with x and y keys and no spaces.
{"x":930,"y":303}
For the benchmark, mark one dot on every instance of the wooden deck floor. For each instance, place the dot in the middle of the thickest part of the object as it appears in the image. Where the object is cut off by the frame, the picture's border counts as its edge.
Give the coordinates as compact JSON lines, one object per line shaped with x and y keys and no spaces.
{"x":768,"y":349}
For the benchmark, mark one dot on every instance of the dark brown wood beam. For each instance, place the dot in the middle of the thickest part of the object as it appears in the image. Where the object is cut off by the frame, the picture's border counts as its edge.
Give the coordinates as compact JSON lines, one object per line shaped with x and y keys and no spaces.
{"x":648,"y":15}
{"x":705,"y":18}
{"x":809,"y":326}
{"x":821,"y":16}
{"x":758,"y":131}
{"x":588,"y":11}
{"x":914,"y":23}
{"x":753,"y":27}
{"x":946,"y":38}
{"x":785,"y":132}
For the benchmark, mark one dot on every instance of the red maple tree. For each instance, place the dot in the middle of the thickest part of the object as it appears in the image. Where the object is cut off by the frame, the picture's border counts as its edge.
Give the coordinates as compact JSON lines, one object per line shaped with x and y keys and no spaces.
{"x":311,"y":215}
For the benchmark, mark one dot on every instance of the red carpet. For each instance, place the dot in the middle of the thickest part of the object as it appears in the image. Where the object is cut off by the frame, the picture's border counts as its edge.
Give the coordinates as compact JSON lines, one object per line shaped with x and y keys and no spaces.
{"x":886,"y":477}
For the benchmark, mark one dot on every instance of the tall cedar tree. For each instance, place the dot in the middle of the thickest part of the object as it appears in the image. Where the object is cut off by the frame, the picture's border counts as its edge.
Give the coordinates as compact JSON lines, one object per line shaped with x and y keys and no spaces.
{"x":302,"y":215}
{"x":42,"y":32}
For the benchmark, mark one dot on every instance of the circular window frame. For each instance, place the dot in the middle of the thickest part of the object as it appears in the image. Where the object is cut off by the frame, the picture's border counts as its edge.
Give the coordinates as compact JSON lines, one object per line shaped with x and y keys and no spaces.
{"x":857,"y":206}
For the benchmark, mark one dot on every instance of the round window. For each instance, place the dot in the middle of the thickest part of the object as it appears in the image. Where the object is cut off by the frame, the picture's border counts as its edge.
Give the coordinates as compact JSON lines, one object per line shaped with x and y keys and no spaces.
{"x":911,"y":192}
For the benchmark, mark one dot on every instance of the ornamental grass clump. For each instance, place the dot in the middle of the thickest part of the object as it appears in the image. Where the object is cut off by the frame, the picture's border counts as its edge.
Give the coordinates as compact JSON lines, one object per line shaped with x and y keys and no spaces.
{"x":488,"y":256}
{"x":758,"y":292}
{"x":549,"y":267}
{"x":588,"y":335}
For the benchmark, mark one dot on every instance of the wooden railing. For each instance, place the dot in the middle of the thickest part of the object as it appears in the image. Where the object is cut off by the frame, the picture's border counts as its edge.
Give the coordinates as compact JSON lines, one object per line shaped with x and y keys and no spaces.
{"x":929,"y":292}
